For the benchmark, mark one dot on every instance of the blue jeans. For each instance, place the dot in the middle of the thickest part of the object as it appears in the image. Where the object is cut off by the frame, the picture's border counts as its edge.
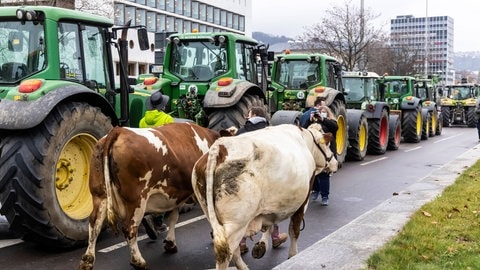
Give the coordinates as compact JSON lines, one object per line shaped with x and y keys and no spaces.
{"x":322,"y":184}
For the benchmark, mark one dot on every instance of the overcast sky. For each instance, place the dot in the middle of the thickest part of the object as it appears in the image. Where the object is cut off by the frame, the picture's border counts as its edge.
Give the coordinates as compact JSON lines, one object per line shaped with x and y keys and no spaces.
{"x":289,"y":18}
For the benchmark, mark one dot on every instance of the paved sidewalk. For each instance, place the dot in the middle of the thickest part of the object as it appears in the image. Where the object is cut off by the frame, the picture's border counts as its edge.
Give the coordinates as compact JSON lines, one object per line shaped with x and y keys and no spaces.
{"x":349,"y":247}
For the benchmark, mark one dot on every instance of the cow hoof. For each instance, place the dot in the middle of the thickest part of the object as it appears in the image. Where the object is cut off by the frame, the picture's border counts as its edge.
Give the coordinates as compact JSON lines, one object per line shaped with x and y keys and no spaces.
{"x":259,"y":250}
{"x":139,"y":266}
{"x":169,"y":246}
{"x":86,"y":263}
{"x":186,"y":208}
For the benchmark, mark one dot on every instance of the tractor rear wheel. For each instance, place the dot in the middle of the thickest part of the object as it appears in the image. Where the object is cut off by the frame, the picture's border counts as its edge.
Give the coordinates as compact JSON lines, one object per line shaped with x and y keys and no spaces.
{"x":471,"y":117}
{"x":341,"y":138}
{"x":395,"y":132}
{"x":439,"y":127}
{"x":357,"y":135}
{"x":378,"y":134}
{"x":44,"y":187}
{"x":426,"y":124}
{"x":224,"y":118}
{"x":412,"y":125}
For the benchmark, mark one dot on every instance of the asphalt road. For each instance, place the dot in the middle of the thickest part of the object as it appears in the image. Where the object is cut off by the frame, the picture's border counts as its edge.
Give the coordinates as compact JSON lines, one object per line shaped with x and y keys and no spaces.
{"x":356,"y":189}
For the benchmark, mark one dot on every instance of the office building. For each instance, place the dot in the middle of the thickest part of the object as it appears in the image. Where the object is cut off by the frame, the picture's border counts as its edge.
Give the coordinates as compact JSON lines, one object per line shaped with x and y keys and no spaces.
{"x":430,"y":38}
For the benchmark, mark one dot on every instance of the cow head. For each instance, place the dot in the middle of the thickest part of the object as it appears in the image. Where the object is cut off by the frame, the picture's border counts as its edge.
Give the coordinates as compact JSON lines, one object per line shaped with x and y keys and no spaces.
{"x":324,"y":157}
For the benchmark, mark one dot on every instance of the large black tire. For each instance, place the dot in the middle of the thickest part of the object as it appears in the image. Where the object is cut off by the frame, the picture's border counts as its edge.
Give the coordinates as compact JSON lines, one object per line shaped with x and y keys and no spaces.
{"x":394,"y":132}
{"x":44,"y":175}
{"x":234,"y":116}
{"x":426,"y":124}
{"x":446,"y":116}
{"x":433,"y":123}
{"x":378,"y":134}
{"x":471,"y":117}
{"x":338,"y":108}
{"x":357,"y":137}
{"x":439,"y":127}
{"x":412,"y":125}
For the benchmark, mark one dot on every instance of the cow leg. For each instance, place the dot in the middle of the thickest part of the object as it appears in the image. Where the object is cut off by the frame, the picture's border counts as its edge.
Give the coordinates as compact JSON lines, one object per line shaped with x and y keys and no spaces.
{"x":130,"y":230}
{"x":262,"y":245}
{"x":97,"y":217}
{"x":234,"y":234}
{"x":170,"y":244}
{"x":294,"y":230}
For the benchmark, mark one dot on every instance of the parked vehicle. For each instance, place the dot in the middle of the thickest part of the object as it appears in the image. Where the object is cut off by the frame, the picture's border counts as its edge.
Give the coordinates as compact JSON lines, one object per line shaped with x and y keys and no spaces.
{"x":425,"y":90}
{"x":458,"y":104}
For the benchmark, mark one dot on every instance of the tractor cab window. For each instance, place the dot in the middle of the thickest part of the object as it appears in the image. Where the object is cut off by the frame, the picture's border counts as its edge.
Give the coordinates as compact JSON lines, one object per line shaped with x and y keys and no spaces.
{"x":69,"y":52}
{"x":198,"y":60}
{"x":22,"y":50}
{"x":398,"y":88}
{"x":246,"y":62}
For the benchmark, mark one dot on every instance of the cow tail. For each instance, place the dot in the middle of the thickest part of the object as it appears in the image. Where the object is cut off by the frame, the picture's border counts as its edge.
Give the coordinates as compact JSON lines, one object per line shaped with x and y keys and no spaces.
{"x":222,"y":250}
{"x":111,"y":213}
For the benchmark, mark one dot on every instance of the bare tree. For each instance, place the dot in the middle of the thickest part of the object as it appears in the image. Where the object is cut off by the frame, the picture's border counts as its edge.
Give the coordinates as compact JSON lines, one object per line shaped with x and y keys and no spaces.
{"x":345,"y":32}
{"x":97,"y":7}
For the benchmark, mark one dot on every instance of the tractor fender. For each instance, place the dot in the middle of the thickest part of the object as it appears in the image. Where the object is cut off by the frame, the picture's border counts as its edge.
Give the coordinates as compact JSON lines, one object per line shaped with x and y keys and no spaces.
{"x":286,"y":117}
{"x":377,"y":112}
{"x":431,"y":106}
{"x":227,"y":96}
{"x":411,"y":104}
{"x":21,"y":114}
{"x":330,"y":95}
{"x":353,"y":119}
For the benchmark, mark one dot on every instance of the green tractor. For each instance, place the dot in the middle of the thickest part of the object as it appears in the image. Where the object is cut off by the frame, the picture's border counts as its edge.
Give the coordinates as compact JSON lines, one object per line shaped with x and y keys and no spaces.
{"x":425,"y":90}
{"x":363,"y":93}
{"x":297,"y":80}
{"x":212,"y":78}
{"x":401,"y":99}
{"x":458,"y":104}
{"x":58,"y":99}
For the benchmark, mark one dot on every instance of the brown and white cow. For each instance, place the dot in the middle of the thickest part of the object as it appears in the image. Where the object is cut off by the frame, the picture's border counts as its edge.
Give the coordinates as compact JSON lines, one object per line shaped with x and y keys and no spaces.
{"x":142,"y":170}
{"x":247,"y":183}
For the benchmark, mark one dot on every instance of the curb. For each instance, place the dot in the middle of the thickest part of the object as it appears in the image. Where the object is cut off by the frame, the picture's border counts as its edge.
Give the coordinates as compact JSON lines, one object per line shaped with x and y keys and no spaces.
{"x":350,"y":246}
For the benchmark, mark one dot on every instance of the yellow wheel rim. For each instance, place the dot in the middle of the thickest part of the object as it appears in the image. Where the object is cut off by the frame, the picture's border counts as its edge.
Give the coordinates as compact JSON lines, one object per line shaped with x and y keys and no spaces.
{"x":362,"y":138}
{"x":434,"y":122}
{"x":72,"y":174}
{"x":419,"y":123}
{"x":341,"y":133}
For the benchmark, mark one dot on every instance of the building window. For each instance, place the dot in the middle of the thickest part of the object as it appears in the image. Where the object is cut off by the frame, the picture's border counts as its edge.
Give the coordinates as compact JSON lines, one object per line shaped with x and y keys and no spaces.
{"x":223,"y":18}
{"x":161,"y":23}
{"x":210,"y":14}
{"x":170,"y":26}
{"x":187,"y":8}
{"x":216,"y":16}
{"x":179,"y":7}
{"x":235,"y":21}
{"x":151,"y":21}
{"x":203,"y":28}
{"x":141,"y":2}
{"x":129,"y":14}
{"x":140,"y":18}
{"x":195,"y":9}
{"x":151,"y":3}
{"x":203,"y":12}
{"x":161,"y":4}
{"x":241,"y":22}
{"x":229,"y":19}
{"x":119,"y":14}
{"x":187,"y":26}
{"x":179,"y":25}
{"x":170,"y":5}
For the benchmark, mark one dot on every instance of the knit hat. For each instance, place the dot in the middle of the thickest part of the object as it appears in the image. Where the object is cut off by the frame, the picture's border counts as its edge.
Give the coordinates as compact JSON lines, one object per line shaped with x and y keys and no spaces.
{"x":157,"y":101}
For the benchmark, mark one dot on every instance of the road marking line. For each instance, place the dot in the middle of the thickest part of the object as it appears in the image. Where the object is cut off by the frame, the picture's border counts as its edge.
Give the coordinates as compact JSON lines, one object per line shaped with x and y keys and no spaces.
{"x":143,"y":237}
{"x":9,"y":242}
{"x":373,"y":161}
{"x":448,"y":138}
{"x":413,"y":149}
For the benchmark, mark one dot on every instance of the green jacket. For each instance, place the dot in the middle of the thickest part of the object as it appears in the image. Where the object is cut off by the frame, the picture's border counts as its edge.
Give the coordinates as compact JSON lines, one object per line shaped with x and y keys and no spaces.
{"x":155,"y":118}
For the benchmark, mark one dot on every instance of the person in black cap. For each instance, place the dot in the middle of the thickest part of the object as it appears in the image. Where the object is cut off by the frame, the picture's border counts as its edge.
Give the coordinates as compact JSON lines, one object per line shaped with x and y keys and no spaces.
{"x":155,"y":115}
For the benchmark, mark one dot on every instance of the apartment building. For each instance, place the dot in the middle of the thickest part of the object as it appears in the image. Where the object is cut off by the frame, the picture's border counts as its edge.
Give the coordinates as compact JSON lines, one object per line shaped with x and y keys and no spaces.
{"x":430,"y":38}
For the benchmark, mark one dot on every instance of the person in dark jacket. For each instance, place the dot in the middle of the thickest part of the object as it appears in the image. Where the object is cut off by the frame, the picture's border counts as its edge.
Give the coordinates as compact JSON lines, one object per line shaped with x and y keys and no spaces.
{"x":321,"y":114}
{"x":257,"y":119}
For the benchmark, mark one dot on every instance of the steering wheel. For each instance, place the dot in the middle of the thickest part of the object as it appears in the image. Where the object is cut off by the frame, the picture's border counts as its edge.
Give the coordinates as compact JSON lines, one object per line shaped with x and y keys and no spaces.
{"x":64,"y":65}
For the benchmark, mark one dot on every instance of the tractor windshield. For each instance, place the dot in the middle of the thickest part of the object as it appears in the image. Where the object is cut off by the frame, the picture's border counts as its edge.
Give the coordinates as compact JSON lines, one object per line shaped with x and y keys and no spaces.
{"x":358,"y":88}
{"x":459,"y":92}
{"x":297,"y":74}
{"x":198,"y":60}
{"x":22,"y":50}
{"x":398,"y":88}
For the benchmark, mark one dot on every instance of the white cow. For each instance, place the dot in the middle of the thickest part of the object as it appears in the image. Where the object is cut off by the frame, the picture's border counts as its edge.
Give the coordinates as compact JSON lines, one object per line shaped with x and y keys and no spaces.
{"x":247,"y":183}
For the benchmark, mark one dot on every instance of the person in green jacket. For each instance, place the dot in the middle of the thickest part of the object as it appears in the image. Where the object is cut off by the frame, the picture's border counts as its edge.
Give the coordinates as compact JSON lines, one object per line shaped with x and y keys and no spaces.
{"x":155,"y":115}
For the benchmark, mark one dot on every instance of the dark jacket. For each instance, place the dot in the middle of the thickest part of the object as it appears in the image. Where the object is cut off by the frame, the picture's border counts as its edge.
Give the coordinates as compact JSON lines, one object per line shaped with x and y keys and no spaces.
{"x":328,"y":125}
{"x":253,"y":124}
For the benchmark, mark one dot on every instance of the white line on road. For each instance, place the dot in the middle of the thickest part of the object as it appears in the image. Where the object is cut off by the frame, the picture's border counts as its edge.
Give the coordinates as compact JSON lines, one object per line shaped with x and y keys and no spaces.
{"x":373,"y":161}
{"x":413,"y":149}
{"x":143,"y":237}
{"x":9,"y":242}
{"x":448,"y":138}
